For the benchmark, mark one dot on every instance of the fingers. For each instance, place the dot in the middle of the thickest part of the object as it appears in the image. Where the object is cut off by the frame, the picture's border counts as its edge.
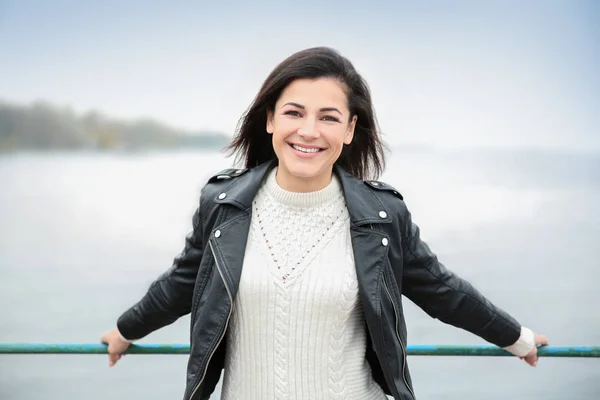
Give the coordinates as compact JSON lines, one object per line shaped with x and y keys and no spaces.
{"x":532,"y":358}
{"x":114,"y":355}
{"x":113,"y":358}
{"x":541,"y":340}
{"x":114,"y":352}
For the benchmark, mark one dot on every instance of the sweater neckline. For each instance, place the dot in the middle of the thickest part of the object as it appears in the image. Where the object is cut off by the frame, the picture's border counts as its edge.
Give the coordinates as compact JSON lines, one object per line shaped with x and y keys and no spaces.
{"x":302,"y":199}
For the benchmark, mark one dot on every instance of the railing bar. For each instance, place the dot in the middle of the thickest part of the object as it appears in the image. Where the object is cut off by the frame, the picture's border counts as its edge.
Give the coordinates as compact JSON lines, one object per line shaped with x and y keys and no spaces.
{"x":412,"y":350}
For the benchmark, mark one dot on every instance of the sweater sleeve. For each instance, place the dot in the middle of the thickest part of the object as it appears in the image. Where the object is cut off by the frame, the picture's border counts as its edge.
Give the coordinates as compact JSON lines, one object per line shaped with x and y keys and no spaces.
{"x":524,"y":344}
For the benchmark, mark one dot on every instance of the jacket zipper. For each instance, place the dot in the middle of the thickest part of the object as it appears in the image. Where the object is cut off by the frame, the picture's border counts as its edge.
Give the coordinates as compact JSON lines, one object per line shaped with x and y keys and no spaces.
{"x":399,"y":340}
{"x":226,"y":322}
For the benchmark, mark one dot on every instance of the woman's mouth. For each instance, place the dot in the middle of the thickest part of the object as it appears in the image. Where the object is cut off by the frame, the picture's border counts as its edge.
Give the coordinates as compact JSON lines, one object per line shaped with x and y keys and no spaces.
{"x":306,"y":150}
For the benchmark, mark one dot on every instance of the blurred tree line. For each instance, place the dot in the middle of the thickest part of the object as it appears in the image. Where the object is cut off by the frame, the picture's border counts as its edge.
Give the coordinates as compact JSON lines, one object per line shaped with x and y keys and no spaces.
{"x":44,"y":126}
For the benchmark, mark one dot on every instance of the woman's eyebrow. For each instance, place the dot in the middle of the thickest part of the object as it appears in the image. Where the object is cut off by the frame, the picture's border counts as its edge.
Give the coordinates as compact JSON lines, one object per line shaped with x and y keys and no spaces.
{"x":324,"y":109}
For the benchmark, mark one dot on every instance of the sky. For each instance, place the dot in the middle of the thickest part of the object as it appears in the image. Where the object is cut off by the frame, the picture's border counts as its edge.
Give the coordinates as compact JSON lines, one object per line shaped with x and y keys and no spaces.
{"x":445,"y":74}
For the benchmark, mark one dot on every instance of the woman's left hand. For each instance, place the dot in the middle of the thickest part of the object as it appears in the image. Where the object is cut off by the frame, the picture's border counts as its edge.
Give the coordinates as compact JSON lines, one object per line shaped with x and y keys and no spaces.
{"x":532,"y":357}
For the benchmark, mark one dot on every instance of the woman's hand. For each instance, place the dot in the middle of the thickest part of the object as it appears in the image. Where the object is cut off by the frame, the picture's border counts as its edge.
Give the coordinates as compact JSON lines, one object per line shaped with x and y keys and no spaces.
{"x":116,"y":345}
{"x":532,"y":357}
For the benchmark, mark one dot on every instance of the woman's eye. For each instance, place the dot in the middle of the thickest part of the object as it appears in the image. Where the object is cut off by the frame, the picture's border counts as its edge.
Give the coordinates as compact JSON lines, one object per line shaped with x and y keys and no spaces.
{"x":331,"y":118}
{"x":292,"y":113}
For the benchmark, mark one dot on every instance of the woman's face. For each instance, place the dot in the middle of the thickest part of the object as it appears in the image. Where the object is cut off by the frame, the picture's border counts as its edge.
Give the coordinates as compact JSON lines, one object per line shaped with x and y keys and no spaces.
{"x":310,"y":125}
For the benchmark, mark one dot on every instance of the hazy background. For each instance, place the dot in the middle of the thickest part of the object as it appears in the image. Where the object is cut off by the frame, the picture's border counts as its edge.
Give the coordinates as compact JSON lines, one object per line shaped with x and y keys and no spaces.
{"x":112,"y":116}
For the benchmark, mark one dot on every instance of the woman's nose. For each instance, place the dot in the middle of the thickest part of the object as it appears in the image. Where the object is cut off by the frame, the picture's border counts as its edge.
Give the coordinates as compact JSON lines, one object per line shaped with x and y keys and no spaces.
{"x":308,"y":129}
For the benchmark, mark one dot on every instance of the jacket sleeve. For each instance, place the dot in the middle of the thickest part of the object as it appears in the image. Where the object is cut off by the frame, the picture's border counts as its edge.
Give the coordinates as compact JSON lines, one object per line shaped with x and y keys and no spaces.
{"x":447,"y":297}
{"x":170,"y":295}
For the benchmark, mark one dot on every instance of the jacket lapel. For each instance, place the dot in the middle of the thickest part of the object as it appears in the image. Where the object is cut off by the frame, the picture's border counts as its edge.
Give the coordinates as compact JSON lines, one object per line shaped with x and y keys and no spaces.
{"x":369,"y":244}
{"x":230,"y":246}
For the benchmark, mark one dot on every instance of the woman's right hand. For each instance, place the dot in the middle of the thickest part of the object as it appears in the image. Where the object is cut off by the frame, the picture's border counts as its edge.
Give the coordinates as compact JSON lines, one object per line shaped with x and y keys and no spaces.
{"x":116,"y":345}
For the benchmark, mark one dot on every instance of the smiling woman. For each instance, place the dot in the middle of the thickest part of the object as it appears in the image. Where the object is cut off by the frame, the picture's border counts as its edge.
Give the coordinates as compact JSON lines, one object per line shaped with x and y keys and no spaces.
{"x":296,"y":265}
{"x":315,"y":92}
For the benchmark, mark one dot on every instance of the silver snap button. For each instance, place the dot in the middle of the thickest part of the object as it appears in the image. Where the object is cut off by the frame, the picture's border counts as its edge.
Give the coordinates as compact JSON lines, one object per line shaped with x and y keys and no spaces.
{"x":222,"y":196}
{"x":217,"y":233}
{"x":384,"y":241}
{"x":382,"y":214}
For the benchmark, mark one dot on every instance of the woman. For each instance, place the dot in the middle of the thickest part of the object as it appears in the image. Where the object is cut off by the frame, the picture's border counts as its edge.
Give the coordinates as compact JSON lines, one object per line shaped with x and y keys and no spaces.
{"x":294,"y":270}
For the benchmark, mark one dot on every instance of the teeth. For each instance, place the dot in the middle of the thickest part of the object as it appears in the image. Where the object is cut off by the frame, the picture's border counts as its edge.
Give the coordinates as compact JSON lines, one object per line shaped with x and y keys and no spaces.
{"x":305,"y":150}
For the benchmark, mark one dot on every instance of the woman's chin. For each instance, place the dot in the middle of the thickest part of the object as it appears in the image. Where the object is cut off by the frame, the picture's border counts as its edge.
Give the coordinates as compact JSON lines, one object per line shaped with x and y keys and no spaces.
{"x":305,"y":171}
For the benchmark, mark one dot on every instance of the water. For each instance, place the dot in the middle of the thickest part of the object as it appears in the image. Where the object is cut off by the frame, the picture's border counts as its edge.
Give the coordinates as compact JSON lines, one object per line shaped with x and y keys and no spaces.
{"x":83,"y":235}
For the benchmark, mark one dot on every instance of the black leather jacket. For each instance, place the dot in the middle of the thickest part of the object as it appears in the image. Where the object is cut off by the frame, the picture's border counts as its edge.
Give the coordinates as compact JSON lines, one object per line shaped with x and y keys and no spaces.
{"x":391,"y":260}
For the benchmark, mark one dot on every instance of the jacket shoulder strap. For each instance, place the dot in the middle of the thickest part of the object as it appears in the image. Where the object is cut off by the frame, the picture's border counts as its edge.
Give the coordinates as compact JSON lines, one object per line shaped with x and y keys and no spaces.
{"x":382,"y":186}
{"x":227,"y":174}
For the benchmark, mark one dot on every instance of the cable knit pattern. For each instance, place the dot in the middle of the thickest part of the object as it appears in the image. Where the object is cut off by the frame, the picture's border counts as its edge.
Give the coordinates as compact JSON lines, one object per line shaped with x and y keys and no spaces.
{"x":282,"y":311}
{"x":297,"y":330}
{"x":337,"y":377}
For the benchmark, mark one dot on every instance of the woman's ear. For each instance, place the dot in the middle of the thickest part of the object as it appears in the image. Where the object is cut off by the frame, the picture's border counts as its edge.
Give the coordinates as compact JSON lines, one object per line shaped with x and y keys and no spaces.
{"x":269,"y":126}
{"x":350,"y":131}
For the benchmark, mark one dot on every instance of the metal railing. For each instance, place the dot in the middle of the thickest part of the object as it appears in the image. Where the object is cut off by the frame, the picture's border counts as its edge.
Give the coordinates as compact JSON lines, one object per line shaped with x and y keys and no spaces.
{"x":412,"y":350}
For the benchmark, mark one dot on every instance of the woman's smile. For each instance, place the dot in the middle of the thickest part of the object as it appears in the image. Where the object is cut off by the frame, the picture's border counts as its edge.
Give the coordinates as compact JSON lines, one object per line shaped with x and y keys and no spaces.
{"x":306,"y":151}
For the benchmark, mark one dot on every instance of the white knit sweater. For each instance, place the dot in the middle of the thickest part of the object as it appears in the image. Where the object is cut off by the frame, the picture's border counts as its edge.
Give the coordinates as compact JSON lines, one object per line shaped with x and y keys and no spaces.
{"x":297,"y":330}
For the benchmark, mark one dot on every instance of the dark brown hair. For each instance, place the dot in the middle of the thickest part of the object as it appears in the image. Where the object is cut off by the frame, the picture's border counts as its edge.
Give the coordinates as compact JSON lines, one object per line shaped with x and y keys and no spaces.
{"x":363,"y":157}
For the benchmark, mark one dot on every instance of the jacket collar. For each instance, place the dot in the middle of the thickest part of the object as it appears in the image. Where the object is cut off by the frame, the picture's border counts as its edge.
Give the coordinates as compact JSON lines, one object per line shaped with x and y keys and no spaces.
{"x":364,"y":205}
